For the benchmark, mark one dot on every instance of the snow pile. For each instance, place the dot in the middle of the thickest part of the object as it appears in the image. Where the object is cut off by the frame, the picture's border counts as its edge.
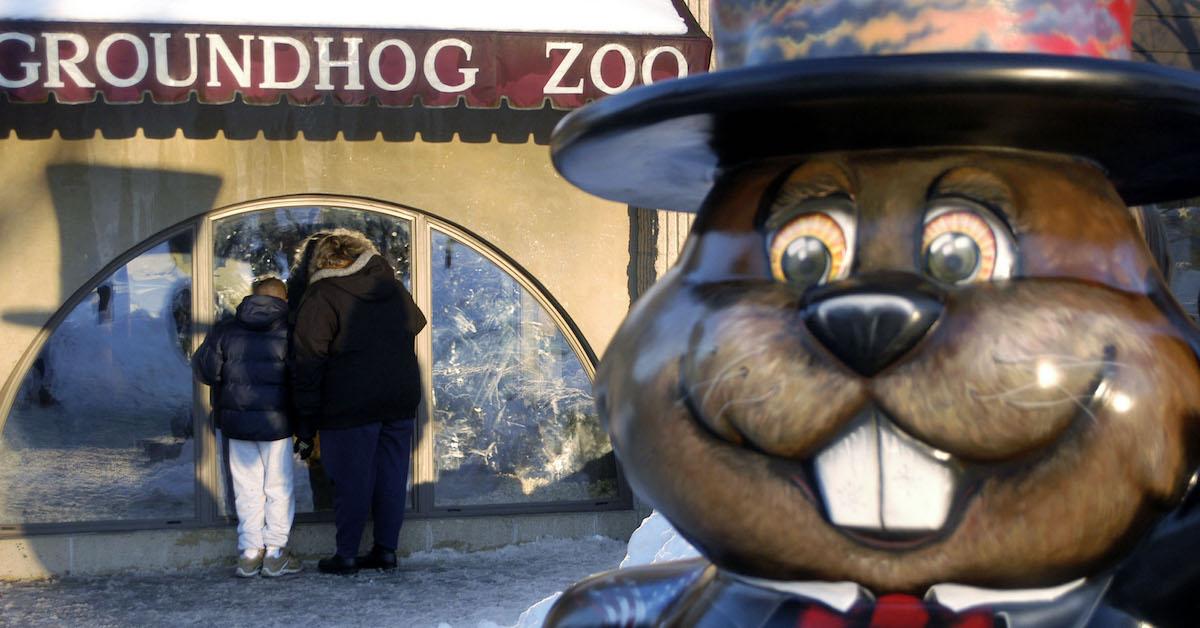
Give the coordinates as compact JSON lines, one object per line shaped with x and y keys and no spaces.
{"x":655,"y":541}
{"x":657,"y":17}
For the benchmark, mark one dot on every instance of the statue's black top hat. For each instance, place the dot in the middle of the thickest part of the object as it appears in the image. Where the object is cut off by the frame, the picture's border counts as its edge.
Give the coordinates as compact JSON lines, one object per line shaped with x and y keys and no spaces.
{"x":810,"y":76}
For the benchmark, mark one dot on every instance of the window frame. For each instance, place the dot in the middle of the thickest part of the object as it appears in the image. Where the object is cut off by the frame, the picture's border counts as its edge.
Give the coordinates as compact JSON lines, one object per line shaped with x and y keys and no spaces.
{"x":207,"y":475}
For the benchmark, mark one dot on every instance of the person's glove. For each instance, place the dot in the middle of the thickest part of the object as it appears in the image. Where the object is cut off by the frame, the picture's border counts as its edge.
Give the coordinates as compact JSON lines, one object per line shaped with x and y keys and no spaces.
{"x":304,"y":447}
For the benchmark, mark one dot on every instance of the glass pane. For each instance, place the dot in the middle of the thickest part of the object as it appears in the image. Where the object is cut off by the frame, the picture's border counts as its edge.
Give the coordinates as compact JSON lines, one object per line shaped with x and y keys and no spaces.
{"x":1183,"y":238}
{"x":513,"y":415}
{"x":257,"y":244}
{"x":101,"y":428}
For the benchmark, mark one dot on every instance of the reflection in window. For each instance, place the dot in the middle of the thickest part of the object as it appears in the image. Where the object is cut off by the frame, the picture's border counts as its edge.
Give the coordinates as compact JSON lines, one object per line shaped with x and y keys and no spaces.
{"x":1182,"y":226}
{"x":253,"y":245}
{"x":261,"y":243}
{"x":101,"y":427}
{"x":513,"y":415}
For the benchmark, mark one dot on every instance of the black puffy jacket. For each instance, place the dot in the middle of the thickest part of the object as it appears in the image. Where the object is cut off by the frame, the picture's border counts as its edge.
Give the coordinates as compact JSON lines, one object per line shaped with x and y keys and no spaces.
{"x":353,"y":358}
{"x":245,"y":361}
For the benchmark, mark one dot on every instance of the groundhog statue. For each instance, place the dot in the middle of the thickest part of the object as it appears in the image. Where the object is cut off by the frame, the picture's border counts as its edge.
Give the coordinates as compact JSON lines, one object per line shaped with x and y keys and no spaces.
{"x":915,"y":365}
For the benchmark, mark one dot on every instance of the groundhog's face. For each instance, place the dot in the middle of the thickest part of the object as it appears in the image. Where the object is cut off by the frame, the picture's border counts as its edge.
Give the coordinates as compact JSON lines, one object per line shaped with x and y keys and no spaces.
{"x":902,"y":369}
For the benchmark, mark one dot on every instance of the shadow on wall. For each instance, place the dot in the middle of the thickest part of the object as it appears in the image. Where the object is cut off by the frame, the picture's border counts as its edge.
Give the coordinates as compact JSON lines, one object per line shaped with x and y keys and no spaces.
{"x":281,"y":121}
{"x":1167,"y":32}
{"x":102,"y":211}
{"x":100,"y":427}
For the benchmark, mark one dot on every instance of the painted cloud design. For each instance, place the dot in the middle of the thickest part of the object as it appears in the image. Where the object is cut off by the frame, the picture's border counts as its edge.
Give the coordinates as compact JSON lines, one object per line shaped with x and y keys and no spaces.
{"x":762,"y":31}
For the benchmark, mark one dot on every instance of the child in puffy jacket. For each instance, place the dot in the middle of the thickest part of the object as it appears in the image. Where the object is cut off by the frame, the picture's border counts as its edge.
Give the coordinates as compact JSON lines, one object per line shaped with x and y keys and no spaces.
{"x":245,"y":361}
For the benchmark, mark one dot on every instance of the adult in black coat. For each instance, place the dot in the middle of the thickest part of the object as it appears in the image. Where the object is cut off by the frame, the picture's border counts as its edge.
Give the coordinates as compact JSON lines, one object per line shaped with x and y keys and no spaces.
{"x":244,"y":360}
{"x":356,"y":381}
{"x":309,"y":450}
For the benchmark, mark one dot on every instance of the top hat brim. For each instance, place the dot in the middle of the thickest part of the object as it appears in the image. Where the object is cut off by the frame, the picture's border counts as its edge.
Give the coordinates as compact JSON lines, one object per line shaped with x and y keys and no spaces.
{"x":662,"y":146}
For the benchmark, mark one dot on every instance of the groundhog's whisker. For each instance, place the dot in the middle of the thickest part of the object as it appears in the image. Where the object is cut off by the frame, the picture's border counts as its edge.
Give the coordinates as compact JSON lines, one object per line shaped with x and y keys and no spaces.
{"x":1003,"y":393}
{"x":724,"y":374}
{"x":1058,"y":360}
{"x":1086,"y":407}
{"x":771,"y":392}
{"x":1031,"y":404}
{"x":1016,"y":398}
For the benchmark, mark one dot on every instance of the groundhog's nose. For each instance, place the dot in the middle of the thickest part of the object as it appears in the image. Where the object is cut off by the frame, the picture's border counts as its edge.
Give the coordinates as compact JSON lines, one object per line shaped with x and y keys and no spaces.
{"x":869,"y":322}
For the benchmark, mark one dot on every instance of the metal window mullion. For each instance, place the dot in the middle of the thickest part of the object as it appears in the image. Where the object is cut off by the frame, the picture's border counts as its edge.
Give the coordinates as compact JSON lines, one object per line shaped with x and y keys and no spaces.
{"x":424,"y":468}
{"x":208,"y":476}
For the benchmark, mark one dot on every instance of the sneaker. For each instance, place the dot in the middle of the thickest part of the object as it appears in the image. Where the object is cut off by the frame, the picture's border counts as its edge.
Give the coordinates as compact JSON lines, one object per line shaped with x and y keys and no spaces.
{"x":249,"y":565}
{"x":281,"y":565}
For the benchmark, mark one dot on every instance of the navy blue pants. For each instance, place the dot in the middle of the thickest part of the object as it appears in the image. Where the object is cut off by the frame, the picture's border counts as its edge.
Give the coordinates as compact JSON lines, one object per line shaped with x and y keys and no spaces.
{"x":368,"y":466}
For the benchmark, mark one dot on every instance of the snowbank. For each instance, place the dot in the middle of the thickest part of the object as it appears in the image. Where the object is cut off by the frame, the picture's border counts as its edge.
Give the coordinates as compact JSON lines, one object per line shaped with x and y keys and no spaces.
{"x":655,"y":541}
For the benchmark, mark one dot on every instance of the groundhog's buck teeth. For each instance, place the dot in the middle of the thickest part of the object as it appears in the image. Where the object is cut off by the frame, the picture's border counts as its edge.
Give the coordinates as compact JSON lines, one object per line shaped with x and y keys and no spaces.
{"x":877,"y":480}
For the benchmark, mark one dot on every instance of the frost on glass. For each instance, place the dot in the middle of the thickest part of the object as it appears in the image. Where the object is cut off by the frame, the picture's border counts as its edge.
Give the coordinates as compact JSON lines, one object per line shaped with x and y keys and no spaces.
{"x":101,"y":427}
{"x":264,"y":243}
{"x":513,"y":415}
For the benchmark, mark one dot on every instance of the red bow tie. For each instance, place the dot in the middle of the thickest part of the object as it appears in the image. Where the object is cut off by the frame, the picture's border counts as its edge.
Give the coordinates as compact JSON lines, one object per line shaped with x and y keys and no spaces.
{"x":888,"y":611}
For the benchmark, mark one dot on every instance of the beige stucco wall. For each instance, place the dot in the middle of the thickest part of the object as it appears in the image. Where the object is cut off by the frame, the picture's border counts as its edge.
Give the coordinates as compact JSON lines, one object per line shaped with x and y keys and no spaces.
{"x":70,"y":207}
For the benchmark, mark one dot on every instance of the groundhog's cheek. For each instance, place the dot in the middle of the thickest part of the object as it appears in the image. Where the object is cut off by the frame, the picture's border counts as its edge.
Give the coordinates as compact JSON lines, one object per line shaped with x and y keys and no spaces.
{"x":637,"y":382}
{"x":1152,"y":414}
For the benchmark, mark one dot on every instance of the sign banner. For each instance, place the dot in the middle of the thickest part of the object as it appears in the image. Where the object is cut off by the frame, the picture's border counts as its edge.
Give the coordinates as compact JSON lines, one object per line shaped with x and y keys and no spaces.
{"x":125,"y":63}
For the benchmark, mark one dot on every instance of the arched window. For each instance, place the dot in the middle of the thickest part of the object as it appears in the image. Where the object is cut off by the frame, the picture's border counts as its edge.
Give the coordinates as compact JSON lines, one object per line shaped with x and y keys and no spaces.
{"x":101,"y":426}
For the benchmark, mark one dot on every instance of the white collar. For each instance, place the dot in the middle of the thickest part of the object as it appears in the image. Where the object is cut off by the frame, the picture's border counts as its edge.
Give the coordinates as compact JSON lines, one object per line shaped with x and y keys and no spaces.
{"x":841,"y":596}
{"x":358,"y":265}
{"x":959,"y":596}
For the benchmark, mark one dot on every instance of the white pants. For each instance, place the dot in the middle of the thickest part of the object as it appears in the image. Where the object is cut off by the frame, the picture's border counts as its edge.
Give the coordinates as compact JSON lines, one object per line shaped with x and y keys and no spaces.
{"x":262,"y":487}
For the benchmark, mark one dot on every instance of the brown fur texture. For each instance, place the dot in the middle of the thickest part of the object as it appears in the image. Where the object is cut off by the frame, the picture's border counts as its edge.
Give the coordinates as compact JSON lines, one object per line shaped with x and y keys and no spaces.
{"x":716,"y":394}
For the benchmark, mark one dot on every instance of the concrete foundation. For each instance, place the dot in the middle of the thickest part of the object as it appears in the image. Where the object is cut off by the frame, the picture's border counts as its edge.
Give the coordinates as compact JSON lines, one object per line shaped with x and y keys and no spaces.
{"x":100,"y":553}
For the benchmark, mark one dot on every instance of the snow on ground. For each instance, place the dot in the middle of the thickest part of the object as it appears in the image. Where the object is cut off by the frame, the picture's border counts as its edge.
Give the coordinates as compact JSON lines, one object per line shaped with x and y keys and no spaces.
{"x":438,"y":588}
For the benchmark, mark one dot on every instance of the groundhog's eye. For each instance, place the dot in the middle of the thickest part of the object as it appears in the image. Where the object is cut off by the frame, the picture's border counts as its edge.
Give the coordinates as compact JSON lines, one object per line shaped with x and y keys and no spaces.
{"x":810,"y":249}
{"x":964,"y":243}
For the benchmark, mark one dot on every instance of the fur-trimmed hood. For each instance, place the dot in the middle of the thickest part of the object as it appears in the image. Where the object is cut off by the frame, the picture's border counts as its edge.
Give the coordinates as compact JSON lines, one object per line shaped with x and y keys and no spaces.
{"x":334,"y":243}
{"x":369,"y":278}
{"x":325,"y":273}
